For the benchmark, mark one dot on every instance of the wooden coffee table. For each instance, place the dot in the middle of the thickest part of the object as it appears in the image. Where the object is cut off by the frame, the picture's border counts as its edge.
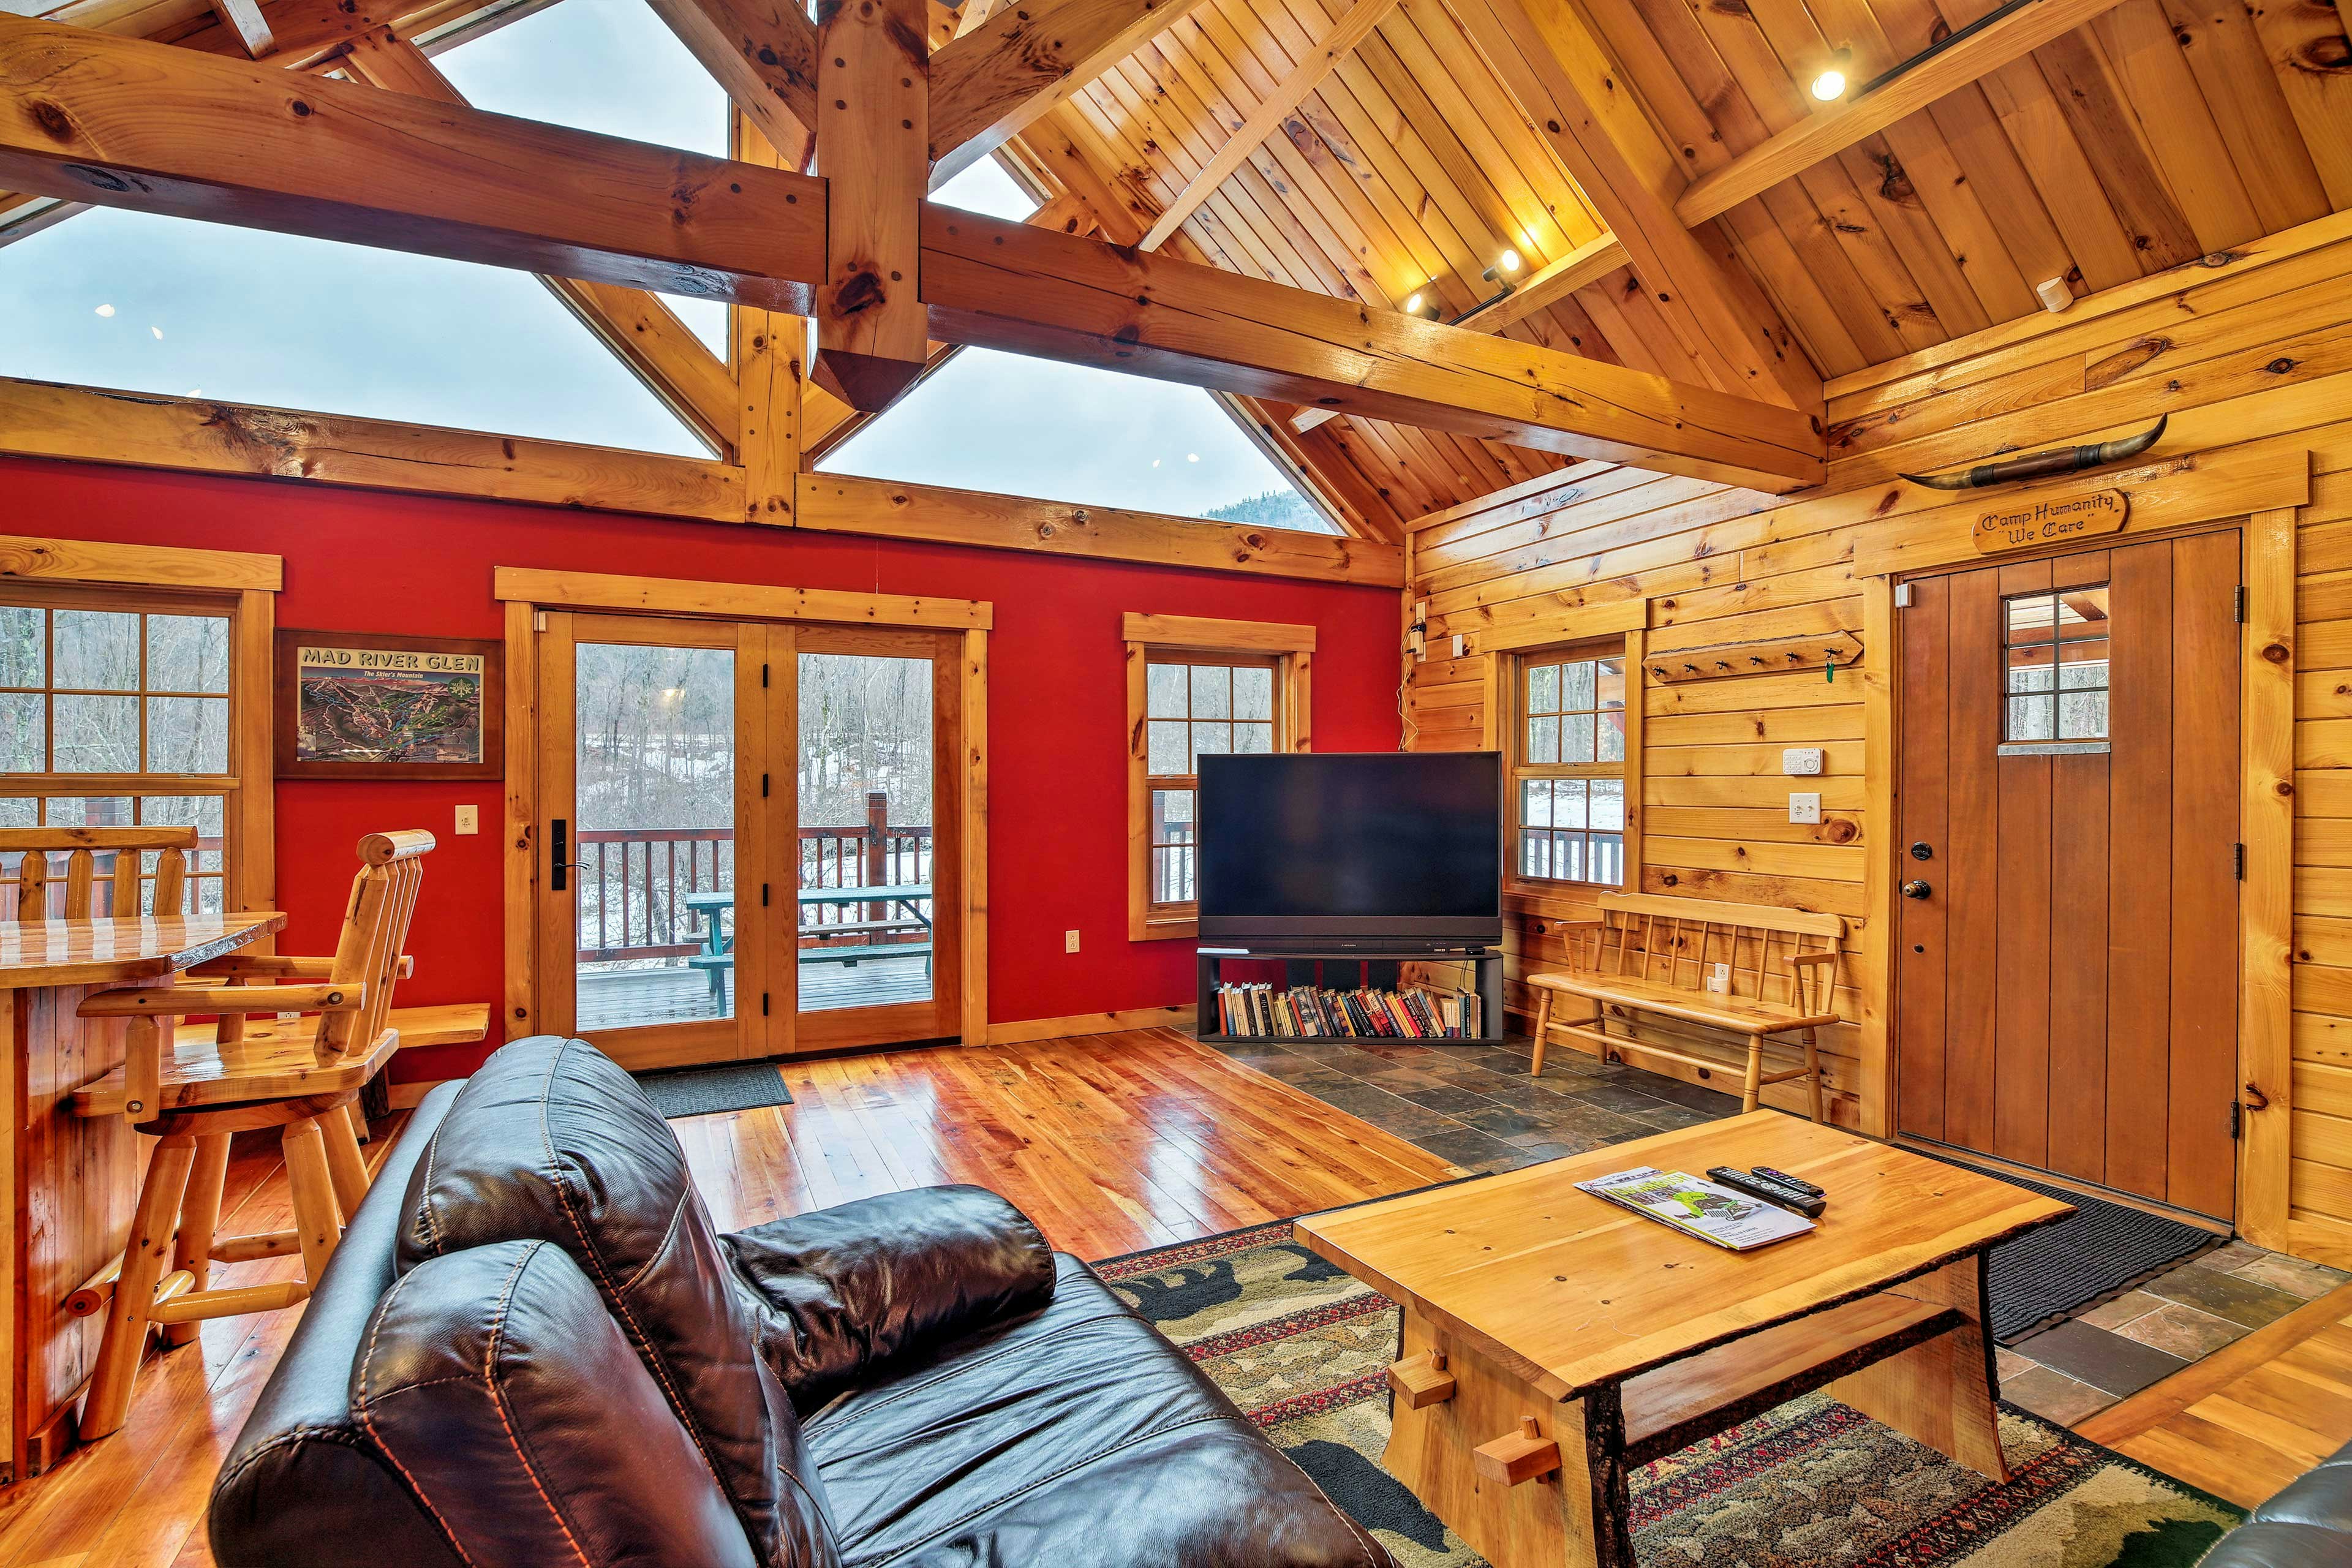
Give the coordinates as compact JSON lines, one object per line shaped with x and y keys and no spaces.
{"x":1552,"y":1341}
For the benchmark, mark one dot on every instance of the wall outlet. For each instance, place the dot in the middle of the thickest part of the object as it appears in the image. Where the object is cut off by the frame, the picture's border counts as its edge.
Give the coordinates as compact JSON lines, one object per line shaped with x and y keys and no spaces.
{"x":469,"y":819}
{"x":1801,"y":762}
{"x":1718,"y":977}
{"x":1804,"y":808}
{"x":1069,"y":942}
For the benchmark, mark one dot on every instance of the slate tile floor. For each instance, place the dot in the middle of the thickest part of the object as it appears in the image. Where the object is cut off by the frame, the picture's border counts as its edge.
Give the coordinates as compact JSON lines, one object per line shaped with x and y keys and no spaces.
{"x":1479,"y":1109}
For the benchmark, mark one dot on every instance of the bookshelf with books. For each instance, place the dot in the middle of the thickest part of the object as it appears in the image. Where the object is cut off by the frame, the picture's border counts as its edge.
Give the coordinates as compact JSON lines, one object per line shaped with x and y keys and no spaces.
{"x":1336,"y":995}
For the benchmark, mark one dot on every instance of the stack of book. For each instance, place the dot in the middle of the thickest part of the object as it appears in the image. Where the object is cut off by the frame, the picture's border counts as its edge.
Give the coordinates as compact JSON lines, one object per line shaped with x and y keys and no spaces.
{"x":1306,"y":1012}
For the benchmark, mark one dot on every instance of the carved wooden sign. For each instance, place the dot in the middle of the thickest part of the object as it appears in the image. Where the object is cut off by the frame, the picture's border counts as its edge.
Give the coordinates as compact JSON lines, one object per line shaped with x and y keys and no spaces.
{"x":2053,"y":520}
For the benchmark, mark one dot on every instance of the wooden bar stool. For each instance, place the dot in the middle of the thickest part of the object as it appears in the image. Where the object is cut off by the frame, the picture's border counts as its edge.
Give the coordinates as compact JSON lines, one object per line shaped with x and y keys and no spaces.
{"x":81,"y":846}
{"x":195,"y":1094}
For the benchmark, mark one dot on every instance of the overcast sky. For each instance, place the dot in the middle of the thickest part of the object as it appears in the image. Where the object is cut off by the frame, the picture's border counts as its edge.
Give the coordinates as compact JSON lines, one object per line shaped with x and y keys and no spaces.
{"x":166,"y":305}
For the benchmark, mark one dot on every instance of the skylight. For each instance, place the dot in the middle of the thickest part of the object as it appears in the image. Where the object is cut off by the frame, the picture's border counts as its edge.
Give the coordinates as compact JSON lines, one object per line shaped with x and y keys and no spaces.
{"x":607,"y":66}
{"x":196,"y":310}
{"x":990,"y":421}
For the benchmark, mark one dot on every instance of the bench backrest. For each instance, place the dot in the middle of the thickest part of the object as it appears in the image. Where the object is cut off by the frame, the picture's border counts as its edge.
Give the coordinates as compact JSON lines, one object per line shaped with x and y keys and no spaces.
{"x":1679,"y":940}
{"x":36,"y":880}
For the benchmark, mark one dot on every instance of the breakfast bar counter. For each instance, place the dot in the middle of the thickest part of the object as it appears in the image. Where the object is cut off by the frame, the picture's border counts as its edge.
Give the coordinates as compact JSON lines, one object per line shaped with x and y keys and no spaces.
{"x":74,"y":1180}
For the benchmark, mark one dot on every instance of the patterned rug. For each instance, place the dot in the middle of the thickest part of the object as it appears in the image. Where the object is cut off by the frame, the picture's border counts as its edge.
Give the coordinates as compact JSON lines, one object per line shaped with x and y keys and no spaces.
{"x":1302,"y":1348}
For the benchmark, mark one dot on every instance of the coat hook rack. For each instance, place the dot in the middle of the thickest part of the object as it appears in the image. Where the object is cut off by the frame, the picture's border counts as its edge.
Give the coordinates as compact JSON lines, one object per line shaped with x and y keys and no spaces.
{"x":1731,"y":661}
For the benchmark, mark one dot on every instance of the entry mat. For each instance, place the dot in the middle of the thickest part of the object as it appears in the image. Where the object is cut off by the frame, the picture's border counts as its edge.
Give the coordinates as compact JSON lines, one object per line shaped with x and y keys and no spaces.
{"x":706,"y":1091}
{"x":2100,"y":1251}
{"x":1303,"y":1349}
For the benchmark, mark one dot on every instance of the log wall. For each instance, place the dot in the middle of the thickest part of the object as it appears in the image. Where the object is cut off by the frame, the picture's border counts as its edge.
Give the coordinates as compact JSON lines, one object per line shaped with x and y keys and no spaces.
{"x":2248,"y":353}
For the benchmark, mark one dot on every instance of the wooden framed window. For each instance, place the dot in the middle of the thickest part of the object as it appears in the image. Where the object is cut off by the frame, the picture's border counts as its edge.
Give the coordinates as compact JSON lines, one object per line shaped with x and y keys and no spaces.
{"x":135,"y":691}
{"x":1571,"y":733}
{"x":2055,"y":682}
{"x":1198,"y":688}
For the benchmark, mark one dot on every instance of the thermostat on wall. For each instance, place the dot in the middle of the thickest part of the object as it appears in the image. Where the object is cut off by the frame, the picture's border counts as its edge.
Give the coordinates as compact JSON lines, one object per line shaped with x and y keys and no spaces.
{"x":1801,"y":760}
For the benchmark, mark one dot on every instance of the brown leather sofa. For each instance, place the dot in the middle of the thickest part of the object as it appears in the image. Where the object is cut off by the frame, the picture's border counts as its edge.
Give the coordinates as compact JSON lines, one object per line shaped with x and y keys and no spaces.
{"x":532,"y":1347}
{"x":2308,"y":1525}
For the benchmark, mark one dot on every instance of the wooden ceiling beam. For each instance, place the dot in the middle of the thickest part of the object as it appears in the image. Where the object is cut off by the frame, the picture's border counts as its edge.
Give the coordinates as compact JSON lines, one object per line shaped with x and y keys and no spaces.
{"x":1021,"y":61}
{"x":1544,"y":286}
{"x":244,"y":19}
{"x":764,"y":53}
{"x":123,"y":122}
{"x":1547,"y":58}
{"x":641,"y":331}
{"x":872,"y":139}
{"x":1838,"y":126}
{"x":151,"y":127}
{"x":1264,"y":119}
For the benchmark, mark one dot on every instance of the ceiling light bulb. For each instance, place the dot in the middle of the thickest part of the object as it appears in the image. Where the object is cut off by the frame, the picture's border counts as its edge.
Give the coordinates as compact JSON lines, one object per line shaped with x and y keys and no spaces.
{"x":1509,"y":262}
{"x":1413,"y":305}
{"x":1830,"y":86}
{"x":106,"y":310}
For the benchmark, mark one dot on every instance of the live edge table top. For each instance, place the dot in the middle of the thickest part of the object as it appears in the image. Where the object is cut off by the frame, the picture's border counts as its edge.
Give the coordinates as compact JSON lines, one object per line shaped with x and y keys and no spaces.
{"x":97,"y":953}
{"x":1572,"y":1292}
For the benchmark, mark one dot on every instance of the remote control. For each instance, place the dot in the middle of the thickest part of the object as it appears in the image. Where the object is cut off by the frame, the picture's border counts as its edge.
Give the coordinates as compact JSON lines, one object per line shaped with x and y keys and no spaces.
{"x":1771,"y":1191}
{"x":1802,"y":1185}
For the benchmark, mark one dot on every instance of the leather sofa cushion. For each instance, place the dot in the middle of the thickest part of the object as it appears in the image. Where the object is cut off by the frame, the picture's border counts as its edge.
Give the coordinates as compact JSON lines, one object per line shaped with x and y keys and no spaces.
{"x":498,"y":1384}
{"x":2260,"y":1546}
{"x":550,"y":1141}
{"x":852,"y":1288}
{"x":2321,"y":1497}
{"x":1074,"y":1436}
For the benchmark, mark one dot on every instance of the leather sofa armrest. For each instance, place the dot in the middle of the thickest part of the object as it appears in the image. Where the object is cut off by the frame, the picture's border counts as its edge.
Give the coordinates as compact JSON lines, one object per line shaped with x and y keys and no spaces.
{"x":848,"y":1289}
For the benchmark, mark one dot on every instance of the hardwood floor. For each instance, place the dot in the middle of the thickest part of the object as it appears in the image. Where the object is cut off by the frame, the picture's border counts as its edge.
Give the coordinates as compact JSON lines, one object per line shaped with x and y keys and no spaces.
{"x":2250,"y":1417}
{"x":1112,"y":1143}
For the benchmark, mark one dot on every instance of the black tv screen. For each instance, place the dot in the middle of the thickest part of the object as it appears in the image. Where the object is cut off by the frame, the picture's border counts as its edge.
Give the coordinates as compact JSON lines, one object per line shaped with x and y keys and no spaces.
{"x":1373,"y":845}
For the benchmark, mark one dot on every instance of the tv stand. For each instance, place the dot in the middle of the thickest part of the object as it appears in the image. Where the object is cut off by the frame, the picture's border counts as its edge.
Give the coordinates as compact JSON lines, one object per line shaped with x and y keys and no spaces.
{"x":1341,"y":964}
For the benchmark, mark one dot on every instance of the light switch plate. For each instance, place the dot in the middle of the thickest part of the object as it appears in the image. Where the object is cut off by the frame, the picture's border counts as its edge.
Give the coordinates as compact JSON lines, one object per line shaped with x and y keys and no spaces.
{"x":1069,"y":942}
{"x":1804,"y":808}
{"x":469,"y":819}
{"x":1801,"y":762}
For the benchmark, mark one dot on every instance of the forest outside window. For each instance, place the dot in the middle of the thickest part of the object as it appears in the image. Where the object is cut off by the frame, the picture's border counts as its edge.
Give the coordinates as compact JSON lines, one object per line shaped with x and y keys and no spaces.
{"x":1568,"y":767}
{"x":2055,"y":679}
{"x":115,"y":712}
{"x":1187,"y":699}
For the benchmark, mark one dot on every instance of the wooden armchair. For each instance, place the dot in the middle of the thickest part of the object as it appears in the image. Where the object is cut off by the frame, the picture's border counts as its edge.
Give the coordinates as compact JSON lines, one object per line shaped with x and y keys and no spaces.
{"x":193,"y":1093}
{"x":81,"y":846}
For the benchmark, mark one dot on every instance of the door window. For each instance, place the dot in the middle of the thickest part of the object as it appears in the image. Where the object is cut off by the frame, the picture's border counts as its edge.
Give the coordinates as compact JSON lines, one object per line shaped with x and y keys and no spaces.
{"x":2056,"y":653}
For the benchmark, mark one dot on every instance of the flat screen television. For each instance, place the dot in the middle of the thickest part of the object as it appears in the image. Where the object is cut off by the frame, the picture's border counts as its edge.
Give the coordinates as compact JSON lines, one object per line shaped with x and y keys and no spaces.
{"x":1371,"y":846}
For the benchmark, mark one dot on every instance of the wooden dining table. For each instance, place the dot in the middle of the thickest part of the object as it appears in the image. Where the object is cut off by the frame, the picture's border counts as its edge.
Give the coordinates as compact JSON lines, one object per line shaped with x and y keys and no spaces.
{"x":75,"y":1179}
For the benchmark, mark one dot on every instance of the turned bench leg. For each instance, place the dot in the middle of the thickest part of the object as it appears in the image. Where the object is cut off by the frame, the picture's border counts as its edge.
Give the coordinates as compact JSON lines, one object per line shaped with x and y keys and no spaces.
{"x":1814,"y":1074}
{"x":1754,"y":1085}
{"x":1543,"y":1030}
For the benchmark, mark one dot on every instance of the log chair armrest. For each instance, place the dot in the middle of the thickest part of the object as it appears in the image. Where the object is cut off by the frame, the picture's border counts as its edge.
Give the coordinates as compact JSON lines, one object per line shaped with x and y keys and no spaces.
{"x":843,"y":1290}
{"x":174,"y":1001}
{"x":241,"y":965}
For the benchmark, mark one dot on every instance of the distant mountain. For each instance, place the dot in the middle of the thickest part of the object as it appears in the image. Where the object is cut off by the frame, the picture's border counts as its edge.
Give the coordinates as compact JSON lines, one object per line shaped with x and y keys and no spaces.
{"x":1272,"y":508}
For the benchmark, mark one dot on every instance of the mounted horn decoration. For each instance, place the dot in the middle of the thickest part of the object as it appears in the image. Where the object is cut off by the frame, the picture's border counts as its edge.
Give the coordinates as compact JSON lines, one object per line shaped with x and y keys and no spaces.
{"x":2042,"y":465}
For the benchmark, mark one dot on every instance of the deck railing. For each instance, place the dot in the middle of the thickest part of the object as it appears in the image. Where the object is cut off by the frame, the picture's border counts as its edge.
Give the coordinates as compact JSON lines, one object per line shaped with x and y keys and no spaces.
{"x":634,"y":881}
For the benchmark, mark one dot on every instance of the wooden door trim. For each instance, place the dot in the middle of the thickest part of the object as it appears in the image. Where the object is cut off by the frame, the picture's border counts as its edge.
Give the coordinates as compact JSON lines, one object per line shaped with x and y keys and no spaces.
{"x":2282,"y":482}
{"x":970,"y":618}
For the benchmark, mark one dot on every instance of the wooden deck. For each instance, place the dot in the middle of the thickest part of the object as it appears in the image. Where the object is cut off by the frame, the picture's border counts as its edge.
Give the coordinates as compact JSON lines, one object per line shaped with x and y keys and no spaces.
{"x":1111,"y":1144}
{"x":617,"y":999}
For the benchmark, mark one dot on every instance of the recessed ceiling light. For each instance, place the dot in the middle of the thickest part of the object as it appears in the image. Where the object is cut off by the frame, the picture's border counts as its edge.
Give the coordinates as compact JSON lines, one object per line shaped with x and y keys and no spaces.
{"x":106,"y":310}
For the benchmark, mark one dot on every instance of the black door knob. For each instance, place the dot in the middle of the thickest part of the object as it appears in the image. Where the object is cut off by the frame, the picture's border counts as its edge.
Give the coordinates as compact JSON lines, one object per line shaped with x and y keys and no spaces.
{"x":1915,"y":889}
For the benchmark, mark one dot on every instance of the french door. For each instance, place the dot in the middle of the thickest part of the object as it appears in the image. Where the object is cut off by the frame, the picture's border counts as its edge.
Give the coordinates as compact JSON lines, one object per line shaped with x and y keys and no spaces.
{"x":741,"y":854}
{"x":2066,"y":946}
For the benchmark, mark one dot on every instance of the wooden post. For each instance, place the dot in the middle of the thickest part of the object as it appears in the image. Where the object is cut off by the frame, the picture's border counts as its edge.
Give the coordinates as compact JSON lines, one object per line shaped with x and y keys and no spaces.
{"x":874,"y":858}
{"x":872,"y":139}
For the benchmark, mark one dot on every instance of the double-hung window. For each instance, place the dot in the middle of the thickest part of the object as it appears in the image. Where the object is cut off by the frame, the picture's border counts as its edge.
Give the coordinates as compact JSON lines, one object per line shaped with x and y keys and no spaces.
{"x":1568,"y":750}
{"x":1198,"y":688}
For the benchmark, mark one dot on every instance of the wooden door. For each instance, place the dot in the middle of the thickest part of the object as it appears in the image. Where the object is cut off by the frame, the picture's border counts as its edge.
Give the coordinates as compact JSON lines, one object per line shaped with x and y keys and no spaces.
{"x":2067,"y":943}
{"x":657,"y":742}
{"x":873,"y":810}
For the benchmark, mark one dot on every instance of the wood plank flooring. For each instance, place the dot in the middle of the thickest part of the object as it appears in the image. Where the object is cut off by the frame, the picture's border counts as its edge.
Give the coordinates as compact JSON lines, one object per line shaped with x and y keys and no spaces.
{"x":1112,"y":1143}
{"x":2254,"y":1415}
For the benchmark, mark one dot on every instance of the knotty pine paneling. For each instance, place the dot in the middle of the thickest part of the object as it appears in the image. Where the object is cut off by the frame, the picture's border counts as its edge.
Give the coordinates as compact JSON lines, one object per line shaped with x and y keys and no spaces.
{"x":2252,"y":348}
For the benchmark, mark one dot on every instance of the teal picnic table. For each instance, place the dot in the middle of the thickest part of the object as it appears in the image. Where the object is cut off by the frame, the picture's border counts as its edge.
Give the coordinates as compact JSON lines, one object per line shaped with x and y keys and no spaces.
{"x":715,"y":959}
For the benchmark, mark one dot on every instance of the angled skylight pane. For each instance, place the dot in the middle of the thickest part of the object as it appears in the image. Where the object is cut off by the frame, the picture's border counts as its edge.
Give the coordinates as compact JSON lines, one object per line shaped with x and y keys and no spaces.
{"x":986,"y":187}
{"x":197,"y":310}
{"x":607,"y":66}
{"x":990,"y":421}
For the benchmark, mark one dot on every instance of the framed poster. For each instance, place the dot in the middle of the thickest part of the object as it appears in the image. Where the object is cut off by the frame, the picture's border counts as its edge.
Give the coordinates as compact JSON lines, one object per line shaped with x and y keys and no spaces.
{"x":357,"y":705}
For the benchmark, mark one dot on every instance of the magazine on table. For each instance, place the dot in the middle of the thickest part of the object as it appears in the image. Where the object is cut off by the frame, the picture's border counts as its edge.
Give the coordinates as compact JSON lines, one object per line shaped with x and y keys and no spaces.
{"x":1706,"y":1210}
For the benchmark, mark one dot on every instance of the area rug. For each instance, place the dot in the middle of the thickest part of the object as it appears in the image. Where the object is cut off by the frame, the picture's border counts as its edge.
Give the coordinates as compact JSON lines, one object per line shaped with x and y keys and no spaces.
{"x":1302,"y":1349}
{"x":707,"y":1091}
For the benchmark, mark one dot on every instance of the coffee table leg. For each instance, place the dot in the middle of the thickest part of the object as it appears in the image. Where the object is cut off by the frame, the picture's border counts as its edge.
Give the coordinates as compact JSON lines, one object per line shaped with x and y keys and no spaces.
{"x":1941,"y":1391}
{"x":1572,"y":1517}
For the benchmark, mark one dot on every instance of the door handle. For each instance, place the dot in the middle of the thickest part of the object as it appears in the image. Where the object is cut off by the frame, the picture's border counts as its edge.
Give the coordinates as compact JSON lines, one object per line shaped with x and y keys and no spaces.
{"x":1916,"y":889}
{"x":559,"y":852}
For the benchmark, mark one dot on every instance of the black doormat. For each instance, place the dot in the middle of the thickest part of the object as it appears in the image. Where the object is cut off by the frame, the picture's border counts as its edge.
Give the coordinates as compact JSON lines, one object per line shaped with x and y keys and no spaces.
{"x":2095,"y":1254}
{"x":706,"y":1091}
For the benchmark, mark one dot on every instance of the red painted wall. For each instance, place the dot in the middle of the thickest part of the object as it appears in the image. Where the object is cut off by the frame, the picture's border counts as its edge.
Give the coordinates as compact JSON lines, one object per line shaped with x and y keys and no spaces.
{"x":1057,"y":790}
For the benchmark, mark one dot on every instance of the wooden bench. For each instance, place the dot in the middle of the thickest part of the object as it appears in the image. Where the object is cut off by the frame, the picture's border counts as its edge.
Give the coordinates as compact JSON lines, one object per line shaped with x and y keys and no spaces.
{"x":1644,"y":965}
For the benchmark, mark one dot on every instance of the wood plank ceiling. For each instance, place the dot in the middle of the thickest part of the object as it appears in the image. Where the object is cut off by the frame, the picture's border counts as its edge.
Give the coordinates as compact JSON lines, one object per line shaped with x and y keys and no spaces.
{"x":1400,"y":164}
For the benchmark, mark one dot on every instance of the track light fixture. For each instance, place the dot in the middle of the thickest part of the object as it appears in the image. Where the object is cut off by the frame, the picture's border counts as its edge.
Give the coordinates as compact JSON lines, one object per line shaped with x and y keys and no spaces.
{"x":1422,"y":302}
